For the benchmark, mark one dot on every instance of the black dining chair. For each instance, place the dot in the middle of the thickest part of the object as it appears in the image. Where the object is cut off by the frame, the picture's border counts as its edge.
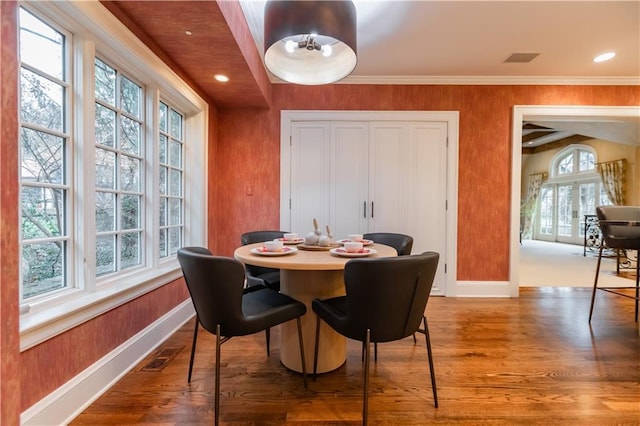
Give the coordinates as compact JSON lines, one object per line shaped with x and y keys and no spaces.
{"x":225,"y":309}
{"x":620,"y":226}
{"x":258,"y":275}
{"x":403,"y":244}
{"x":385,"y":301}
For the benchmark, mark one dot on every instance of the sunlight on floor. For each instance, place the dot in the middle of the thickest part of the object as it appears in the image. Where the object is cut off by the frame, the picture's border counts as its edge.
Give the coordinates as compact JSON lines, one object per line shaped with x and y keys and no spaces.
{"x":564,"y":265}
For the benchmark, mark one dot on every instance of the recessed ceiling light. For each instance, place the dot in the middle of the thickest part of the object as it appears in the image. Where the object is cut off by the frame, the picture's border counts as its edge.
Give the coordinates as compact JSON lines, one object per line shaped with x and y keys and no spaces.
{"x":221,"y":77}
{"x":187,"y":32}
{"x":604,"y":57}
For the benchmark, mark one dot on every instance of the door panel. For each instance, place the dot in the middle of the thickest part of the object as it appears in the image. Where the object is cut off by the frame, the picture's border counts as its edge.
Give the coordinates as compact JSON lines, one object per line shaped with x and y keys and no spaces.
{"x":385,"y":176}
{"x":310,"y":171}
{"x":349,"y":171}
{"x":388,"y":177}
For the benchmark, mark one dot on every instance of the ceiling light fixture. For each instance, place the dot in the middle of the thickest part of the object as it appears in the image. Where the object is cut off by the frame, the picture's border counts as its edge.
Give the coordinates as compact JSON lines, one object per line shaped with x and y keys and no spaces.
{"x":604,"y":57}
{"x":310,"y":42}
{"x":221,"y":77}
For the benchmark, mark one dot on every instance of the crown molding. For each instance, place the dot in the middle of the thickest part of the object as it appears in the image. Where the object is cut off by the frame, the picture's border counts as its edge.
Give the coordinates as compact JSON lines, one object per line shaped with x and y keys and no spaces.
{"x":485,"y":80}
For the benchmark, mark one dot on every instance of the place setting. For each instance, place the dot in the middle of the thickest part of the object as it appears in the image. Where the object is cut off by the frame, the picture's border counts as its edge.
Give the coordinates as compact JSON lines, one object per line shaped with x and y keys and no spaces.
{"x":355,"y":237}
{"x":354,"y":246}
{"x":274,"y":248}
{"x":291,"y":238}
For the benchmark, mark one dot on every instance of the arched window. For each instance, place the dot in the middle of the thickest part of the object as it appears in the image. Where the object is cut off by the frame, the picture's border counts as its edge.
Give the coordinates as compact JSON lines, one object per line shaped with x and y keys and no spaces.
{"x":573,"y":160}
{"x":572,"y":192}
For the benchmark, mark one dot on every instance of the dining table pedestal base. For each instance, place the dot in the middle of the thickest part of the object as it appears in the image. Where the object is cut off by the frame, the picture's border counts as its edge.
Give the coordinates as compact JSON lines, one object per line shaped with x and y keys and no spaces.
{"x":306,"y":285}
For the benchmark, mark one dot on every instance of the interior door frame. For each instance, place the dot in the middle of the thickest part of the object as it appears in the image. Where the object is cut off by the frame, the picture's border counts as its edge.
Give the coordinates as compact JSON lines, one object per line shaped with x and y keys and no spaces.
{"x":542,"y":112}
{"x":452,"y":119}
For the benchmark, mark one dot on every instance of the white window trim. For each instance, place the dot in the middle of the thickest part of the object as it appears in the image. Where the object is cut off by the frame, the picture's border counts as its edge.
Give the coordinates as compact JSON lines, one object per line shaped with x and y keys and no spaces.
{"x":559,"y":156}
{"x":91,"y":22}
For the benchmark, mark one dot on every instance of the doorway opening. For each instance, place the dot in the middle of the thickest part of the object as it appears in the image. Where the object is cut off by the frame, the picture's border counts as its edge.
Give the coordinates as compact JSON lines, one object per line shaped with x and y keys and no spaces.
{"x":593,"y":117}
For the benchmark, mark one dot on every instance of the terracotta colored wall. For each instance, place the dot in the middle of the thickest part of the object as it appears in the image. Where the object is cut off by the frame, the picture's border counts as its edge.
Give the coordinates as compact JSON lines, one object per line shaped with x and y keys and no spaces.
{"x":27,"y":377}
{"x":9,"y":336}
{"x":249,"y":150}
{"x":51,"y":364}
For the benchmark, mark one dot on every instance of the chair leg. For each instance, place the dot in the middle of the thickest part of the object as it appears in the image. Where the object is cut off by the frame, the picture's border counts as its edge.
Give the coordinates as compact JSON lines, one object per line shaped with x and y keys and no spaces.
{"x":431,"y":369}
{"x":315,"y":351}
{"x":217,"y":397}
{"x":595,"y":284}
{"x":414,"y":339}
{"x":302,"y":358}
{"x":268,"y":336}
{"x":375,"y":351}
{"x":365,"y":403}
{"x":637,"y":280}
{"x":193,"y":348}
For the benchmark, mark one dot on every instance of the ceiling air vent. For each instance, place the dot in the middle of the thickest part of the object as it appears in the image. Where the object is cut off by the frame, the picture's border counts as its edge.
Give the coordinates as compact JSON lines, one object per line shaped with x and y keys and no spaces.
{"x":521,"y":58}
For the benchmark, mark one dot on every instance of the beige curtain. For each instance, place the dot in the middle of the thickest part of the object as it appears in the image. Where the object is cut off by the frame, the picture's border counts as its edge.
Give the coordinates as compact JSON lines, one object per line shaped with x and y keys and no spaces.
{"x":528,"y":207}
{"x":614,"y":178}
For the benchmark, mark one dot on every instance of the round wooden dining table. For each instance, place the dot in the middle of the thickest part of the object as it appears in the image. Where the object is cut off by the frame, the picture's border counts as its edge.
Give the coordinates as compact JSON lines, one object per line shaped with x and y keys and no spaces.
{"x":306,"y":275}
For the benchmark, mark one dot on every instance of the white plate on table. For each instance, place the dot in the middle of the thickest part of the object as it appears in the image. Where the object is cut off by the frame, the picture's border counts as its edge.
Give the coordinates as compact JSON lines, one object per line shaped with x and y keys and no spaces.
{"x":282,"y":252}
{"x":364,"y":242}
{"x":296,"y":241}
{"x":344,"y":253}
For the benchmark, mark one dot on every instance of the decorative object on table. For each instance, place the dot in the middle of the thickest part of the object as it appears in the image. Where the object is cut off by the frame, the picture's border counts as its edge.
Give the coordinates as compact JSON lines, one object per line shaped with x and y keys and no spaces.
{"x":326,"y":240}
{"x":313,"y":237}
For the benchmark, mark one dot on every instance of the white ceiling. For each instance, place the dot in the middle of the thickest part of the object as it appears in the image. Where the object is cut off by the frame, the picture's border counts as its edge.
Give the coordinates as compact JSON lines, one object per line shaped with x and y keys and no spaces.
{"x":467,"y":42}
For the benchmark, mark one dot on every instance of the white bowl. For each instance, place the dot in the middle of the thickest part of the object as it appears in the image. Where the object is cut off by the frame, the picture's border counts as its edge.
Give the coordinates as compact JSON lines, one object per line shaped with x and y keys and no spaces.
{"x":275,"y":245}
{"x":353,"y":246}
{"x":355,"y":237}
{"x":291,"y":236}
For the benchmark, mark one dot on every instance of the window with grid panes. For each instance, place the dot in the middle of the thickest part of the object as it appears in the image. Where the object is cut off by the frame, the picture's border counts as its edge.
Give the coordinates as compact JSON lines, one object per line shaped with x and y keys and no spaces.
{"x":171,"y":141}
{"x":103,"y":129}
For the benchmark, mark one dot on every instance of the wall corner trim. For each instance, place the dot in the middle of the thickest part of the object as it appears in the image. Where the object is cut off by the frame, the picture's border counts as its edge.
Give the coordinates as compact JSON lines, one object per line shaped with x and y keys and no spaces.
{"x":69,"y":400}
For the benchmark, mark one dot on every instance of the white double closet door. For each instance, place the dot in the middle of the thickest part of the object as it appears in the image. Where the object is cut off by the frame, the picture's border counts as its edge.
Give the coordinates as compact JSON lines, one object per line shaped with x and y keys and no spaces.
{"x":371,"y":176}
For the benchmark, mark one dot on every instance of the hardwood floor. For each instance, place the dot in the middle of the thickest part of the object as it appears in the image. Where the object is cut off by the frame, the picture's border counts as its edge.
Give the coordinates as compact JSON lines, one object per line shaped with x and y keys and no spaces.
{"x":530,"y":360}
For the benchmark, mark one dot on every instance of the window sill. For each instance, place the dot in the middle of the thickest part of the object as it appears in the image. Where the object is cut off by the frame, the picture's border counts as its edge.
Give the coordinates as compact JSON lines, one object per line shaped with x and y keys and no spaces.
{"x":39,"y":325}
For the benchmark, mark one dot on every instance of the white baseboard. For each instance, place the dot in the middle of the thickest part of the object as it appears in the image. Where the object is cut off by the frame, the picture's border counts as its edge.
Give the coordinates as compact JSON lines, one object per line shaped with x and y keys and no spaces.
{"x":65,"y":403}
{"x":482,"y":289}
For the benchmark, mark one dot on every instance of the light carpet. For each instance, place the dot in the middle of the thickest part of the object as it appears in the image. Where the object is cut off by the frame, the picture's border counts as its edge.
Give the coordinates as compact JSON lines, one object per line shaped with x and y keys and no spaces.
{"x":546,"y":264}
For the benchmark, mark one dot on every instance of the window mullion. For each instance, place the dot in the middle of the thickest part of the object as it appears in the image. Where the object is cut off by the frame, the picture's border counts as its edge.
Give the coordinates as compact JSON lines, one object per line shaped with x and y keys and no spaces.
{"x":85,"y":166}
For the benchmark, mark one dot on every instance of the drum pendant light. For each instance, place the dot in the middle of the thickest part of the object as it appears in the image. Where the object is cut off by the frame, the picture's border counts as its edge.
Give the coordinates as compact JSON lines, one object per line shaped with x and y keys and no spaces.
{"x":310,"y":42}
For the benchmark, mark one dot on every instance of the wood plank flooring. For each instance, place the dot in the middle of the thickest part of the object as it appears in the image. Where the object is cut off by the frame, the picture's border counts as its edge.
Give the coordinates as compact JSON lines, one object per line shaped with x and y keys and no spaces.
{"x":532,"y":360}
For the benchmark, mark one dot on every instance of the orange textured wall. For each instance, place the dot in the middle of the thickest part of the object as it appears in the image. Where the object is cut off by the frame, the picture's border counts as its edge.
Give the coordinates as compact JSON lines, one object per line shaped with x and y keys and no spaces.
{"x":249,"y":155}
{"x":9,"y":336}
{"x":51,"y":364}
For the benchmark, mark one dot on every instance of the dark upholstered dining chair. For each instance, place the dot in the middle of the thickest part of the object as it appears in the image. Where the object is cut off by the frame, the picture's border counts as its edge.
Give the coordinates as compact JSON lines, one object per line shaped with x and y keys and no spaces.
{"x":257,"y":275}
{"x":403,"y":244}
{"x":385,"y":301}
{"x":224,"y":308}
{"x":620,"y":226}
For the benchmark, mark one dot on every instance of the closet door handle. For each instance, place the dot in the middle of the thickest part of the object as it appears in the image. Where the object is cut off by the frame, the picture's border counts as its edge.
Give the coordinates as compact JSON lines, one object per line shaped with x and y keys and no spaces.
{"x":372,"y":210}
{"x":364,"y":209}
